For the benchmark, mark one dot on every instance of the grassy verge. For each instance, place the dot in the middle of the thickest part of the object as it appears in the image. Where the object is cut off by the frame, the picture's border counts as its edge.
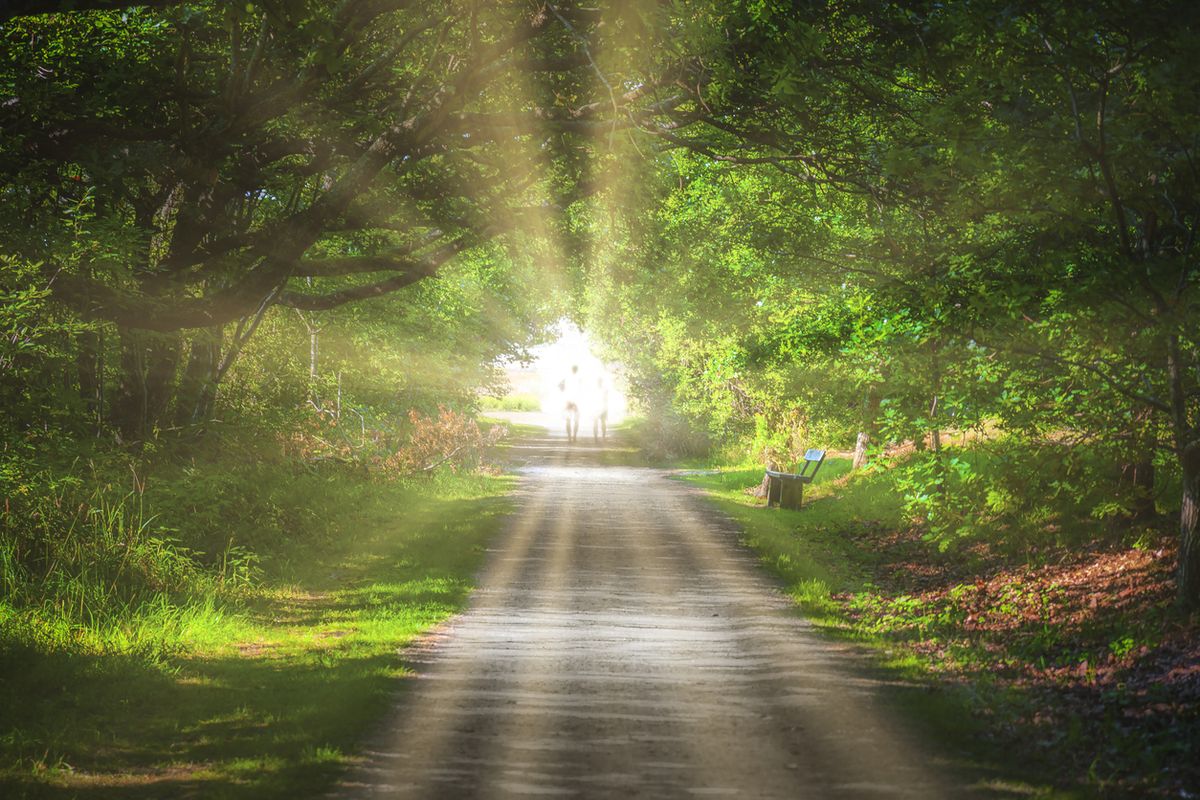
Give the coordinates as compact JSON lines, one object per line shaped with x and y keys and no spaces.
{"x":257,"y":687}
{"x":1065,"y":664}
{"x":511,"y":402}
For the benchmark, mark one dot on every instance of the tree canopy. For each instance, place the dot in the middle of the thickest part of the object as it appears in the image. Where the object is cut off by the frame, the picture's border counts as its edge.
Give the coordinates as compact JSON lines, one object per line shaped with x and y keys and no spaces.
{"x":868,"y":223}
{"x":918,"y":218}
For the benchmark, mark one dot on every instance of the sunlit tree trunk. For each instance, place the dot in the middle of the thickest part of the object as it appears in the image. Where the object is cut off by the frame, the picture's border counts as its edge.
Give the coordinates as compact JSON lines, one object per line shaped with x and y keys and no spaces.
{"x":313,"y":351}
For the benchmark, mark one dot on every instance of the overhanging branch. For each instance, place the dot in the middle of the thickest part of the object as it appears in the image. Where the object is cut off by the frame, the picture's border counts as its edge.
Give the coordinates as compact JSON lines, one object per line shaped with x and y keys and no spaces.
{"x":410,"y":273}
{"x":24,"y":8}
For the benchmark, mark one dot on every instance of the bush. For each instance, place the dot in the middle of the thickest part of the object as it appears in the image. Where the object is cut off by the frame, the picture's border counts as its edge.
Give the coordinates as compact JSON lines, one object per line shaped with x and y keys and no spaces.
{"x":450,"y":438}
{"x":664,"y":437}
{"x":1033,"y":491}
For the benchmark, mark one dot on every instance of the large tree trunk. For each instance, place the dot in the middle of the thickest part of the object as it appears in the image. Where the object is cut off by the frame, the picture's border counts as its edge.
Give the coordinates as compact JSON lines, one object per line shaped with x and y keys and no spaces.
{"x":162,"y":366}
{"x":197,"y":389}
{"x":1189,"y":529}
{"x":1142,"y":475}
{"x":128,"y":410}
{"x":87,"y":367}
{"x":206,"y":401}
{"x":149,"y":362}
{"x":1187,"y":445}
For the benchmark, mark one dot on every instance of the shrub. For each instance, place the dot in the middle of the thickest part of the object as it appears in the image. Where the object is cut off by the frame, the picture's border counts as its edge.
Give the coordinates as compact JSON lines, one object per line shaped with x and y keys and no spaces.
{"x":450,"y":438}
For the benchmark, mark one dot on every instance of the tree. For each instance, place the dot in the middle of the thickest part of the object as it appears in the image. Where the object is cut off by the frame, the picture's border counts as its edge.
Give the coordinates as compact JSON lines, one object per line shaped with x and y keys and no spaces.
{"x":1018,"y":181}
{"x":231,"y":158}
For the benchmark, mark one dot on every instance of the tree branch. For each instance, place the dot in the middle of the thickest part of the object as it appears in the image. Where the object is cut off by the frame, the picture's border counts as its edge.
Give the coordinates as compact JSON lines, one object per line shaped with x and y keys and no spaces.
{"x":411,"y":272}
{"x":25,"y":8}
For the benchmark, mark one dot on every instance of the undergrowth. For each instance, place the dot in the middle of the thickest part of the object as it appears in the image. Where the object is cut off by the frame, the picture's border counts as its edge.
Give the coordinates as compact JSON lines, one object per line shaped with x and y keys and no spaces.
{"x":216,"y":614}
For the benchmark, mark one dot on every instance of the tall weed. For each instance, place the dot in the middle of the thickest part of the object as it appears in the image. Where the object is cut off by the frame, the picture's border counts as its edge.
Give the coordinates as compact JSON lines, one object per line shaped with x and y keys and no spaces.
{"x":92,"y":570}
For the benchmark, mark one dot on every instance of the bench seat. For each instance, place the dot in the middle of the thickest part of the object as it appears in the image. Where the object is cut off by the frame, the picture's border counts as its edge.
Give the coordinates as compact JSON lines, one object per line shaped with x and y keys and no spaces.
{"x":786,"y":489}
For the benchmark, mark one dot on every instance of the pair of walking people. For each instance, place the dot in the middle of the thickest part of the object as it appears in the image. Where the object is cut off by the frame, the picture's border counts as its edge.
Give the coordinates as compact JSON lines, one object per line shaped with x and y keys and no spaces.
{"x":579,"y":400}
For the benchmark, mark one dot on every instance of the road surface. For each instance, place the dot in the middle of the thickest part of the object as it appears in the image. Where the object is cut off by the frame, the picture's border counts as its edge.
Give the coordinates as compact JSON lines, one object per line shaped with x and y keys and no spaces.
{"x":622,"y":644}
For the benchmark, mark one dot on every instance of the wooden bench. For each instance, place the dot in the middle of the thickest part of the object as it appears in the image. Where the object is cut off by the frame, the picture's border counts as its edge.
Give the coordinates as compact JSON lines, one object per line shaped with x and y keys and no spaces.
{"x":786,"y":489}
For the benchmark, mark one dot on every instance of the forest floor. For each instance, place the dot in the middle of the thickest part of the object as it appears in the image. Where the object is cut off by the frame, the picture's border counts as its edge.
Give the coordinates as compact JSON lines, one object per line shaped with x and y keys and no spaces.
{"x":1072,"y":659}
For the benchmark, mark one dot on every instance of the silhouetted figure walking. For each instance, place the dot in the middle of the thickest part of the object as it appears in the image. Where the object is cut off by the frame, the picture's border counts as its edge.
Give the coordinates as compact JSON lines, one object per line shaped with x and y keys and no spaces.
{"x":570,"y":389}
{"x":600,"y":420}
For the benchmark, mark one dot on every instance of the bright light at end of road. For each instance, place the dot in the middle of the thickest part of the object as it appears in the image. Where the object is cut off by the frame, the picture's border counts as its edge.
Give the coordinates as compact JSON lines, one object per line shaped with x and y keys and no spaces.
{"x":551,"y":367}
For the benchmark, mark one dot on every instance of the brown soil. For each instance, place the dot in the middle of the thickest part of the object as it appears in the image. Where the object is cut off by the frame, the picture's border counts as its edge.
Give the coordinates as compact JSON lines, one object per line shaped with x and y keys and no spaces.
{"x":1110,"y":672}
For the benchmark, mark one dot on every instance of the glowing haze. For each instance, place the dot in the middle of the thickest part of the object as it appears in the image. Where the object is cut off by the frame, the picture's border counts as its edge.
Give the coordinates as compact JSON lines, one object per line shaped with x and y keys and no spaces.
{"x":551,"y":365}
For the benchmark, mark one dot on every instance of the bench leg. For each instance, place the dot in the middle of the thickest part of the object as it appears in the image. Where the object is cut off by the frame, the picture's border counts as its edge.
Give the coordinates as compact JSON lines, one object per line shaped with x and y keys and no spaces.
{"x":774,"y":491}
{"x":792,"y":495}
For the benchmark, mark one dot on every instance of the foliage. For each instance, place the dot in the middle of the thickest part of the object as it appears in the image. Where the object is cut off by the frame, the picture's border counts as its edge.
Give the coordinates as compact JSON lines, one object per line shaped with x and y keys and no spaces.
{"x":450,"y":438}
{"x":35,"y":346}
{"x":330,"y":148}
{"x":260,"y":661}
{"x":1048,"y":640}
{"x":665,"y":438}
{"x":909,"y":223}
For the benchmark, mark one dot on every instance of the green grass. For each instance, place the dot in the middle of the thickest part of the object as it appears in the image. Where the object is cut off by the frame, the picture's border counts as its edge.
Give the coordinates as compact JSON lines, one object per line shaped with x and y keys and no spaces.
{"x":510,"y":402}
{"x":814,"y":555}
{"x":821,"y":560}
{"x":265,"y":691}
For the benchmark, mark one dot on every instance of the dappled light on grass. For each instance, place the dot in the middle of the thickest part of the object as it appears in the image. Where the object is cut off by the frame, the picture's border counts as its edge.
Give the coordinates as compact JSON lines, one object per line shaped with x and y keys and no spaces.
{"x":1055,"y":658}
{"x":274,"y":697}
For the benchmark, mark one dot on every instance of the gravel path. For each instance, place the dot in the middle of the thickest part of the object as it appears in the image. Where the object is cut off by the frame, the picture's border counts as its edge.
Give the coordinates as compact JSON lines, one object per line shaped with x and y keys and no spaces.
{"x":622,"y":644}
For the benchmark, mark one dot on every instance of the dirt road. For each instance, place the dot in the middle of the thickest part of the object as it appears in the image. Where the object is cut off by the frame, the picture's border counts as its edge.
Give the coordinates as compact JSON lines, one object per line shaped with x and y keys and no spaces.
{"x":622,"y":644}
